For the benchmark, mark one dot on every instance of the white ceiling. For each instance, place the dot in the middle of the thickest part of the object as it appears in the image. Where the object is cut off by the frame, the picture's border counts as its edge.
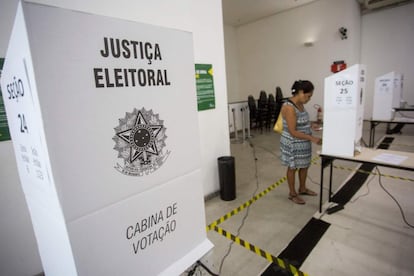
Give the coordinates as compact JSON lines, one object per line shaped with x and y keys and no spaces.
{"x":239,"y":12}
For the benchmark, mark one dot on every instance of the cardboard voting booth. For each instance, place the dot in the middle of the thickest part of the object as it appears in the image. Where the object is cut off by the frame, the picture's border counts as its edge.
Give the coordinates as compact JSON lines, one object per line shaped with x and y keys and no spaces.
{"x":344,"y":95}
{"x":103,"y":119}
{"x":388,"y":95}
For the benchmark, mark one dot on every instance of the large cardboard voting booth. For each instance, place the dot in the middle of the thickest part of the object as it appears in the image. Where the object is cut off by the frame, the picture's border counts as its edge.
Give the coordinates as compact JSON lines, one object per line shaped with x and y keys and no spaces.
{"x":103,"y":120}
{"x":388,"y":95}
{"x":343,"y":111}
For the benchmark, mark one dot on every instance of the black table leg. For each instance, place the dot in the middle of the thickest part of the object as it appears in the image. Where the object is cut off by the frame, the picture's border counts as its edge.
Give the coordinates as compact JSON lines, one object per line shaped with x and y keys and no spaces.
{"x":325,"y":161}
{"x":330,"y":180}
{"x":321,"y":190}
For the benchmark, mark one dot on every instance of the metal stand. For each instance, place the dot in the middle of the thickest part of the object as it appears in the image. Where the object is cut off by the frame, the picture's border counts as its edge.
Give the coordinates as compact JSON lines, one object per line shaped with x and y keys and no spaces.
{"x":247,"y":116}
{"x":236,"y":135}
{"x":243,"y":124}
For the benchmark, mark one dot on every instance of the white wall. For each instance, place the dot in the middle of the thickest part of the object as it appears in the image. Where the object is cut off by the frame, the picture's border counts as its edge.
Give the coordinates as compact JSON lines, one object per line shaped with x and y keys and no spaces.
{"x":18,"y":251}
{"x":388,"y":45}
{"x":232,"y":64}
{"x":272,"y":51}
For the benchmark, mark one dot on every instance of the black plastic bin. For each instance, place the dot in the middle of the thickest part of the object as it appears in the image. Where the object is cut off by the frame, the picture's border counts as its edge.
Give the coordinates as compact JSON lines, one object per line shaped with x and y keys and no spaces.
{"x":227,"y":178}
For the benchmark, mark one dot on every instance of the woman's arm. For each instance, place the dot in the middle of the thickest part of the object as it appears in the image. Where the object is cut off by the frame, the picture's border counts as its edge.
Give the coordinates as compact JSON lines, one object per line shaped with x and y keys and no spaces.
{"x":288,"y":112}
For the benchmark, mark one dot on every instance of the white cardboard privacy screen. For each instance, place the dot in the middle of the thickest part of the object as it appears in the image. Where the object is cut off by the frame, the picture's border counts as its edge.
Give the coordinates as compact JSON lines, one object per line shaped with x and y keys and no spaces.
{"x":104,"y":125}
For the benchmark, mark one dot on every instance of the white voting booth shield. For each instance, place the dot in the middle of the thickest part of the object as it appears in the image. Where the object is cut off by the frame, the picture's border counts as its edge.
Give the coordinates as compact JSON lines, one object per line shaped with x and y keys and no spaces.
{"x":103,"y":119}
{"x":387,"y":95}
{"x":343,"y":113}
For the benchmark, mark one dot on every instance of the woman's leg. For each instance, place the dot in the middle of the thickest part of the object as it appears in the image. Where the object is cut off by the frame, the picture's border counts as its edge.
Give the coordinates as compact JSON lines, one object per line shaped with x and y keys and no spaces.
{"x":293,"y":195}
{"x":290,"y":174}
{"x":303,"y":174}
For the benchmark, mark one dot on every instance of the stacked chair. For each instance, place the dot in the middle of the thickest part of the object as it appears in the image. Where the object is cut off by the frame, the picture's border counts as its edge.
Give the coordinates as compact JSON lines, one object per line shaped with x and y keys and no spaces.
{"x":279,"y":101}
{"x":271,"y":112}
{"x":262,"y":110}
{"x":251,"y":102}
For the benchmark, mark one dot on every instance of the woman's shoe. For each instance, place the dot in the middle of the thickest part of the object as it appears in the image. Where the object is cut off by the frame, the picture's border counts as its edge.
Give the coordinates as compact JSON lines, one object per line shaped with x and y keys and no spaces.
{"x":308,"y":192}
{"x":296,"y":199}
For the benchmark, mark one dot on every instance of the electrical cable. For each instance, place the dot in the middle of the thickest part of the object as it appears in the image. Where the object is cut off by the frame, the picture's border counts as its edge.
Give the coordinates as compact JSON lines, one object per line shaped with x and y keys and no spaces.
{"x":364,"y":143}
{"x":332,"y":204}
{"x":311,"y":180}
{"x":316,"y":183}
{"x":393,"y":198}
{"x":206,"y":268}
{"x":268,"y":151}
{"x":192,"y":271}
{"x":195,"y":270}
{"x":247,"y":209}
{"x":365,"y":194}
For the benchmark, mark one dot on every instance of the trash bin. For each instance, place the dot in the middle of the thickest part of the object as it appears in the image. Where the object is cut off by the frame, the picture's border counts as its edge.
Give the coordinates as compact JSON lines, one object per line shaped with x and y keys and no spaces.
{"x":227,"y":178}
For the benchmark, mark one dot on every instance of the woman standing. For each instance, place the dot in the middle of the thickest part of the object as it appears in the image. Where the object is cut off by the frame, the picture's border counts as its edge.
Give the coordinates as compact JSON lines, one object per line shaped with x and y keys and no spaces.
{"x":296,"y":139}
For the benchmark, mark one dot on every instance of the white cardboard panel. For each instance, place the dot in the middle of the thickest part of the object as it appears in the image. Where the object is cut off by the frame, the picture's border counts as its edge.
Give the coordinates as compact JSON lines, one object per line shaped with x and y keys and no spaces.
{"x":26,"y":129}
{"x":73,"y":133}
{"x":388,"y":95}
{"x":146,"y":235}
{"x":343,"y":111}
{"x":80,"y":123}
{"x":383,"y":97}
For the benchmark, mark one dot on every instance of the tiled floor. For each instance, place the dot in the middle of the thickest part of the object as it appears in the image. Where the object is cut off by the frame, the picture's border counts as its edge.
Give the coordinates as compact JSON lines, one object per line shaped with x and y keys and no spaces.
{"x":368,"y":237}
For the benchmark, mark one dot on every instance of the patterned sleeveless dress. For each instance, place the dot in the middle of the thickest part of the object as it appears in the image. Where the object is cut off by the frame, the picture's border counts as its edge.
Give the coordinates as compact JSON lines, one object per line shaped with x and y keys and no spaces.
{"x":296,"y":153}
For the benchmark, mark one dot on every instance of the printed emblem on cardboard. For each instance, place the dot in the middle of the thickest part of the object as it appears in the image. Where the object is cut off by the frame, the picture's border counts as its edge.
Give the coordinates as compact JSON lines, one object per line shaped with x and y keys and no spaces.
{"x":140,"y":142}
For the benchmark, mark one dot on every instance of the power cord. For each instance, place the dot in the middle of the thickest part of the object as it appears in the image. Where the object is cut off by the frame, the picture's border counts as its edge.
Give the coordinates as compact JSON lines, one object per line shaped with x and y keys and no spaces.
{"x":308,"y":177}
{"x":316,"y":183}
{"x":332,"y":204}
{"x":196,"y":269}
{"x":393,"y":198}
{"x":247,"y":209}
{"x":207,"y":269}
{"x":365,"y":194}
{"x":267,"y":150}
{"x":364,"y":143}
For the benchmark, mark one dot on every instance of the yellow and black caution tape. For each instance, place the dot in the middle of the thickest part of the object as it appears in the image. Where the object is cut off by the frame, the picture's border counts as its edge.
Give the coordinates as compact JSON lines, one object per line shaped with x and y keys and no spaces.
{"x":279,"y":262}
{"x":244,"y":205}
{"x":374,"y":173}
{"x":250,"y":201}
{"x":396,"y":177}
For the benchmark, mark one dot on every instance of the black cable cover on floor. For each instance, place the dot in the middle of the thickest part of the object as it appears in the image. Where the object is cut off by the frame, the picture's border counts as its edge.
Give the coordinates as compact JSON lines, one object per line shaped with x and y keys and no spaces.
{"x":300,"y":247}
{"x":385,"y":144}
{"x":351,"y":187}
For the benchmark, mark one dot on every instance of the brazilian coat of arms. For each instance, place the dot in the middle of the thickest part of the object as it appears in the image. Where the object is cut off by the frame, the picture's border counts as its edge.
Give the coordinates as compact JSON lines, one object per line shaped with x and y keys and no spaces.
{"x":140,"y":143}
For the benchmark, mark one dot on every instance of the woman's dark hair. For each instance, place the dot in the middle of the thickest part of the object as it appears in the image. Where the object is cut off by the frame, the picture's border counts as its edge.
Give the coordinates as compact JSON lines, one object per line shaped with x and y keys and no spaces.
{"x":304,"y":85}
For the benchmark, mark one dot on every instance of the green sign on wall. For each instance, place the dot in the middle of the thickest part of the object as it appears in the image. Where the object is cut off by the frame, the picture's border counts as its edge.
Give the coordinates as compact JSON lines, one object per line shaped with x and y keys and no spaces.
{"x":4,"y":127}
{"x":205,"y":87}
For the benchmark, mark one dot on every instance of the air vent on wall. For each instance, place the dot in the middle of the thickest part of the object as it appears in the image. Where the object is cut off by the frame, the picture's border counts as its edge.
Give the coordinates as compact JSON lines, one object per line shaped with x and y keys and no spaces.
{"x":376,"y":4}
